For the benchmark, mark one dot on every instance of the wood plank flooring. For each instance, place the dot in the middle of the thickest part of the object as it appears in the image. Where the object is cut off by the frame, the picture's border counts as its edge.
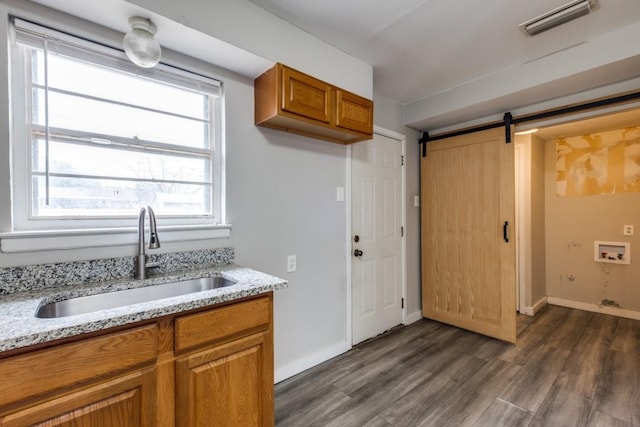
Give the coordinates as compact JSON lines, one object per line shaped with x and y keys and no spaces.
{"x":569,"y":368}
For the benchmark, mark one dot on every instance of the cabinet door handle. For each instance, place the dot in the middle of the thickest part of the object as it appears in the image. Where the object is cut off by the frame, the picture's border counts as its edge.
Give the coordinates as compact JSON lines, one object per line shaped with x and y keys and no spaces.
{"x":505,"y":231}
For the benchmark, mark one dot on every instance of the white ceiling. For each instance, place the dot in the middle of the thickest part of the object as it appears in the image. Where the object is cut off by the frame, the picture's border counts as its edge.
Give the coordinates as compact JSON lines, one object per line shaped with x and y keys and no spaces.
{"x":423,"y":48}
{"x":449,"y":62}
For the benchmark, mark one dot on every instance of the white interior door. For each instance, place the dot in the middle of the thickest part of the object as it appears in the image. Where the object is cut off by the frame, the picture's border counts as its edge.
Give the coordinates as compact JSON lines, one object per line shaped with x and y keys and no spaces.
{"x":376,"y":254}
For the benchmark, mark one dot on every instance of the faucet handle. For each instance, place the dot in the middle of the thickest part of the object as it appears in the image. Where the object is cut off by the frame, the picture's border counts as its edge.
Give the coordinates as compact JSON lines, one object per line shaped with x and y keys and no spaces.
{"x":152,"y":264}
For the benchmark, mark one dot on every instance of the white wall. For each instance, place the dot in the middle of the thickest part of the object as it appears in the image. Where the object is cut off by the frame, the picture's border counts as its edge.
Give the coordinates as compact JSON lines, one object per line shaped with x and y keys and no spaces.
{"x":281,"y":201}
{"x":612,"y":57}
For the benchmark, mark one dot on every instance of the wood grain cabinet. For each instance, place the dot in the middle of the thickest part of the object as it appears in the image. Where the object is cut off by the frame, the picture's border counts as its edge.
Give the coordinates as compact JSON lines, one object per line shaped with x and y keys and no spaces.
{"x":225,"y":377}
{"x":289,"y":100}
{"x":124,"y":401}
{"x":213,"y":367}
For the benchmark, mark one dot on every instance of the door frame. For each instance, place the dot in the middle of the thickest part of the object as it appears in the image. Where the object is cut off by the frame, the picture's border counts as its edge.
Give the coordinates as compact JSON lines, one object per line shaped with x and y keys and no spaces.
{"x":521,"y":237}
{"x":403,"y":218}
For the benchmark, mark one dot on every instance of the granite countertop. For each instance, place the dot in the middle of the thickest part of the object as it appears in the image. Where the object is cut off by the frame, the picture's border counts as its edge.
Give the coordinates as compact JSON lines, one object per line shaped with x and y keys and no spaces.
{"x":20,"y":328}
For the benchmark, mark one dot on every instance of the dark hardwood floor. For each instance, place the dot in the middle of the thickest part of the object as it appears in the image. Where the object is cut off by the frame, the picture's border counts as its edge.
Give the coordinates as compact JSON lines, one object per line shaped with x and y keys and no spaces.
{"x":569,"y":368}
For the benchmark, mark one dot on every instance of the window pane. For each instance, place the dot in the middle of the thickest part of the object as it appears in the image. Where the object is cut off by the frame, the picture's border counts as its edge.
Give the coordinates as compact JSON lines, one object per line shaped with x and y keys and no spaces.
{"x":69,"y":158}
{"x":76,"y":113}
{"x":81,"y":197}
{"x":81,"y":77}
{"x":105,"y":137}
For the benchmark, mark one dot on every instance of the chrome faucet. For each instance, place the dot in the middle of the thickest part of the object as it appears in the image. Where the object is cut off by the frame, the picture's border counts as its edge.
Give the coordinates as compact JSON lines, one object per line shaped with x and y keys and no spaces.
{"x":141,"y":259}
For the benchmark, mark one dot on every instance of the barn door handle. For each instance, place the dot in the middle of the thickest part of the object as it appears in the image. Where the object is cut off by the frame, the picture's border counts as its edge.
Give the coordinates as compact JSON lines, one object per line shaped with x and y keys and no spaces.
{"x":505,"y":231}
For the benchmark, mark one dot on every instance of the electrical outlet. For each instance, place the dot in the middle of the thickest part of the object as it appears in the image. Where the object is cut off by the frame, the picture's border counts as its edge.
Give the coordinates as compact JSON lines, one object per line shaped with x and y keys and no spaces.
{"x":628,"y":230}
{"x":291,"y":263}
{"x":416,"y":201}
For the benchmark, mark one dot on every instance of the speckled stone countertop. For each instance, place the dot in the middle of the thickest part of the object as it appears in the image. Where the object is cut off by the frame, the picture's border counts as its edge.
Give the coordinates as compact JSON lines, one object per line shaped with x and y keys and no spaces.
{"x":20,"y":328}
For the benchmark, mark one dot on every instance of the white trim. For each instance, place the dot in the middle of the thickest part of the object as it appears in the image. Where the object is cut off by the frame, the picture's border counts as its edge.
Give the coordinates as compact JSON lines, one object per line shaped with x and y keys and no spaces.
{"x":532,"y":311}
{"x":403,"y":216}
{"x":595,"y":308}
{"x":389,"y":133}
{"x":413,"y":317}
{"x":302,"y":364}
{"x":521,"y":241}
{"x":36,"y":241}
{"x":348,"y":248}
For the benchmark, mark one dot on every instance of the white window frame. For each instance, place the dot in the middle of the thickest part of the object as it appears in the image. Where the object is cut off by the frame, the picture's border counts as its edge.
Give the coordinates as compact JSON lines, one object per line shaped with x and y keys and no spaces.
{"x":28,"y":234}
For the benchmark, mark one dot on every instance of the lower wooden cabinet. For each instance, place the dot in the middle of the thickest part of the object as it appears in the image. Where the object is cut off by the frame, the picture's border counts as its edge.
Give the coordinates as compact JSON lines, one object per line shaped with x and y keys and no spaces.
{"x":227,"y":385}
{"x":213,"y":367}
{"x":127,"y":401}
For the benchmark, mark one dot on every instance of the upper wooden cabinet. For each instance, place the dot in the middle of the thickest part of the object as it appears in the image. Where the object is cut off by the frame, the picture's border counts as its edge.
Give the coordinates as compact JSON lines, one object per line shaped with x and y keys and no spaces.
{"x":295,"y":102}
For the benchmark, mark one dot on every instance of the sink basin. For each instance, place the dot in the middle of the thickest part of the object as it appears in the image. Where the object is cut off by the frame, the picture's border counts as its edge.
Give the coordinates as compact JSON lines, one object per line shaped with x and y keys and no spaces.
{"x":107,"y":300}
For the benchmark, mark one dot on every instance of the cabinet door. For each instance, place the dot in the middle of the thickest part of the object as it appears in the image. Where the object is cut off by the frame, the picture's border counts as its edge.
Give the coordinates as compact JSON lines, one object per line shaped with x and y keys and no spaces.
{"x":127,"y":401}
{"x":306,"y":96}
{"x":229,"y":385}
{"x":354,"y":112}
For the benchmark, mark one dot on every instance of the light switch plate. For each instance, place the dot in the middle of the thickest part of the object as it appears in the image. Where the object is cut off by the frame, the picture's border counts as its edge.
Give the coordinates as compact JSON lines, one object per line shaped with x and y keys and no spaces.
{"x":340,"y":194}
{"x":628,"y":230}
{"x":291,"y":263}
{"x":416,"y":201}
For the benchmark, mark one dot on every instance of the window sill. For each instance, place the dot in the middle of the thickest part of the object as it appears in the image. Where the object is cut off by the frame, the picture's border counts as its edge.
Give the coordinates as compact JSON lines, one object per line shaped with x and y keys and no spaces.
{"x":49,"y":240}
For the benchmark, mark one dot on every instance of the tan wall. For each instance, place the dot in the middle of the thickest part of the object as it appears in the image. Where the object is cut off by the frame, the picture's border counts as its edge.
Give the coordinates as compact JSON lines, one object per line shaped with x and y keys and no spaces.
{"x":573,"y":223}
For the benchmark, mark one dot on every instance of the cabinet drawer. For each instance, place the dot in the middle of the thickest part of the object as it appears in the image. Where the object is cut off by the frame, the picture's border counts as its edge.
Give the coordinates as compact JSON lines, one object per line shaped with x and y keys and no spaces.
{"x":223,"y":323}
{"x":54,"y":368}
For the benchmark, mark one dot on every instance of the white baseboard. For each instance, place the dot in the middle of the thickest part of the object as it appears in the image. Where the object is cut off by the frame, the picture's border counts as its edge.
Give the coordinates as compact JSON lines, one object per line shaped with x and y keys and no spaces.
{"x":414,"y":317}
{"x":299,"y":365}
{"x":595,"y":308}
{"x":532,"y":311}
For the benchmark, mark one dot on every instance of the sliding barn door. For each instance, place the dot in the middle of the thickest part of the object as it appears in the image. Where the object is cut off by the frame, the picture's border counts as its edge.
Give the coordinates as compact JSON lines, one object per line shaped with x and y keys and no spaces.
{"x":468,"y":233}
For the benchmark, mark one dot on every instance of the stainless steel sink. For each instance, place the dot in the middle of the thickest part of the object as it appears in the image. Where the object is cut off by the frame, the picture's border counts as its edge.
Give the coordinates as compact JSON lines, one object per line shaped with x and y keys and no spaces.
{"x":107,"y":300}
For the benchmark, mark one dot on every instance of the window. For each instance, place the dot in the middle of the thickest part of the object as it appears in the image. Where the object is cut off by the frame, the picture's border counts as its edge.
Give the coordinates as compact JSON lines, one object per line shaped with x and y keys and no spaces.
{"x":95,"y":137}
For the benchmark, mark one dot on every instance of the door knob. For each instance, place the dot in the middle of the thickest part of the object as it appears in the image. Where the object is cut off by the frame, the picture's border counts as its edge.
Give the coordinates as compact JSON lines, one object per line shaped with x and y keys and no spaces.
{"x":357,"y":253}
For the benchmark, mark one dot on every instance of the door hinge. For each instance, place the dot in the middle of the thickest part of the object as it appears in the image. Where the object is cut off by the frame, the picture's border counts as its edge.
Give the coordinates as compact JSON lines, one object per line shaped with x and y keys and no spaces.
{"x":401,"y":160}
{"x":401,"y":231}
{"x":402,"y":303}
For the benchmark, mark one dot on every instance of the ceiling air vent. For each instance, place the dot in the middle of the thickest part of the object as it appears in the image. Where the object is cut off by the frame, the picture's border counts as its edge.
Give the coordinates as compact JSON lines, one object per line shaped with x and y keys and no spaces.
{"x":558,"y":16}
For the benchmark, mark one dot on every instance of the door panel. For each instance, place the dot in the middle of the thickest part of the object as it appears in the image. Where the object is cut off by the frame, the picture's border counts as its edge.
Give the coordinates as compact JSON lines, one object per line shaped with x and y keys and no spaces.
{"x":376,"y":220}
{"x":225,"y":385}
{"x":468,"y":268}
{"x":126,"y":401}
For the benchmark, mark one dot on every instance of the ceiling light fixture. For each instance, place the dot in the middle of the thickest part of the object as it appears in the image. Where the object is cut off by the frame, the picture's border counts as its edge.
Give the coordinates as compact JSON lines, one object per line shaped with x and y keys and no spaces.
{"x":558,"y":16}
{"x":140,"y":45}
